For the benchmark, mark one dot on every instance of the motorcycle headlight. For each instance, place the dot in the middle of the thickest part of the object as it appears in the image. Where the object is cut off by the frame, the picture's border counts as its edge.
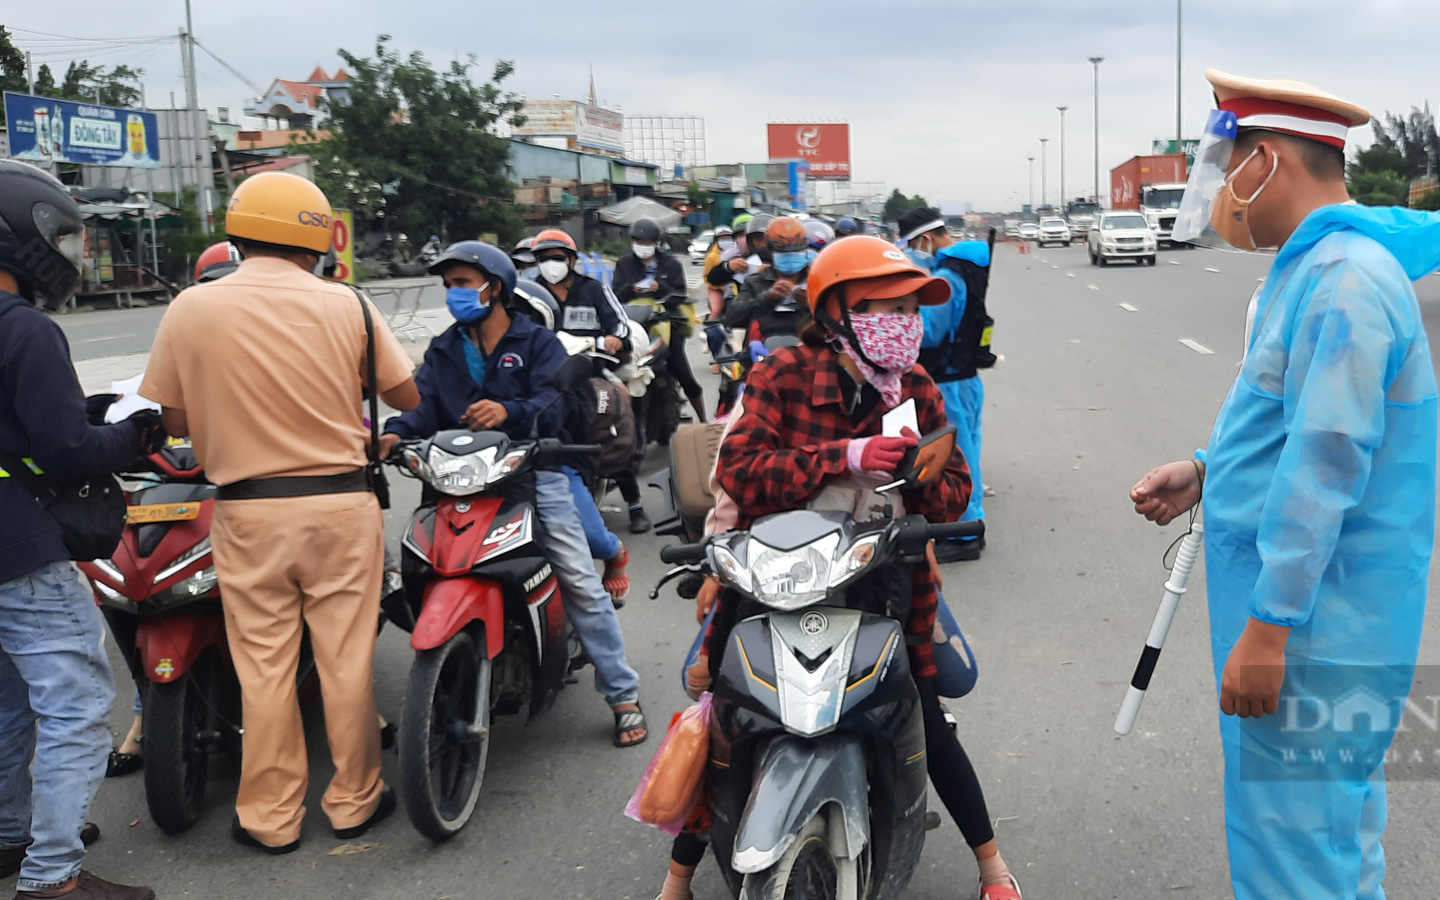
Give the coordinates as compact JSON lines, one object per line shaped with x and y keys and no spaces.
{"x":731,"y":568}
{"x":460,"y":475}
{"x":187,"y":589}
{"x":854,"y":560}
{"x":507,"y":465}
{"x":792,"y":579}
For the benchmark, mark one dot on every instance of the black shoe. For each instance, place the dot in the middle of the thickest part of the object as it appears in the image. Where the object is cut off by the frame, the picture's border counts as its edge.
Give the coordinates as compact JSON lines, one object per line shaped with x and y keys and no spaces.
{"x":89,"y":833}
{"x":932,"y":820}
{"x":387,"y":736}
{"x":959,"y":550}
{"x":12,"y":859}
{"x":386,"y":807}
{"x":639,"y":522}
{"x":245,"y":838}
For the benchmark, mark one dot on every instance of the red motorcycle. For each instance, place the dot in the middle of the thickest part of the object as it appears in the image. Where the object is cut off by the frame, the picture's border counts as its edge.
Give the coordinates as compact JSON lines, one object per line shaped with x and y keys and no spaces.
{"x":483,"y":610}
{"x":161,"y":597}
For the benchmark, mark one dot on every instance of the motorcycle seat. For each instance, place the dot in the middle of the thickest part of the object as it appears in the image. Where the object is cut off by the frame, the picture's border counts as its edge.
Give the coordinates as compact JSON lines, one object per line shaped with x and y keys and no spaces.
{"x":693,"y":449}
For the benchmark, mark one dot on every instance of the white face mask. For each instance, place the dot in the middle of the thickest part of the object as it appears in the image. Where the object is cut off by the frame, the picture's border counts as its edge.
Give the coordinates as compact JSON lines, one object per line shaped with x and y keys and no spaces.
{"x":644,"y":251}
{"x":554,"y":270}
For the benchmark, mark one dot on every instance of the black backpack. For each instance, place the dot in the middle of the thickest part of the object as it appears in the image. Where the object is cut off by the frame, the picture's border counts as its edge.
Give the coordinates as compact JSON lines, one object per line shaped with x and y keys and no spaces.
{"x":609,"y":421}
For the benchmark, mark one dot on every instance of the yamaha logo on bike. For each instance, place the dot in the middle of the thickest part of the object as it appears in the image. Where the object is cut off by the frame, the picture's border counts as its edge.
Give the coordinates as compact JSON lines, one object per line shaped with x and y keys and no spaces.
{"x":534,"y":581}
{"x":813,"y":623}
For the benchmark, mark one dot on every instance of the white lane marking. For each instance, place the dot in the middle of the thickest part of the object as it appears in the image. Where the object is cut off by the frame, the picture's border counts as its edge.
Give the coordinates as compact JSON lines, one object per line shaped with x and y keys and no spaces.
{"x":1072,"y":274}
{"x":1128,"y":308}
{"x":1093,"y":287}
{"x":1198,"y":348}
{"x":110,"y":337}
{"x":1174,"y":262}
{"x":1054,"y":267}
{"x":1211,"y":269}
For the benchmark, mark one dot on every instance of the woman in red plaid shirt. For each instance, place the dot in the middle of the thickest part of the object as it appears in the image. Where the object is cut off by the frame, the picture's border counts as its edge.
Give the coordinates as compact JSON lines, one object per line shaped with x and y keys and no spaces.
{"x":811,"y":425}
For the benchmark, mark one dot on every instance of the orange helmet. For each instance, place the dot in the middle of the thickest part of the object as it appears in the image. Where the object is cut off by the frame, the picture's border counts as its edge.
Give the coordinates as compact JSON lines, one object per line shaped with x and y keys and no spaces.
{"x":885,"y":271}
{"x":553,"y":239}
{"x":217,"y":261}
{"x":786,"y":235}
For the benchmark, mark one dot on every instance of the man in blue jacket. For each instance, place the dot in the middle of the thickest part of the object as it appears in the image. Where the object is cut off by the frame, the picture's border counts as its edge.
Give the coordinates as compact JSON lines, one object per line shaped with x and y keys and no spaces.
{"x":494,"y":371}
{"x":55,"y":683}
{"x":956,"y":346}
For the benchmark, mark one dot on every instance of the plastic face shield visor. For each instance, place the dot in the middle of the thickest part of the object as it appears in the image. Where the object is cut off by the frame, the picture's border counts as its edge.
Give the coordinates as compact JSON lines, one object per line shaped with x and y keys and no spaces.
{"x":1207,"y":176}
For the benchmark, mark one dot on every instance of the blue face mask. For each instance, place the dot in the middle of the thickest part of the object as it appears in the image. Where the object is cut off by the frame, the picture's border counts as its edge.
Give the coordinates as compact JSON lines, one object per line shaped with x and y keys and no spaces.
{"x":465,"y":305}
{"x":920,"y":258}
{"x":791,"y":262}
{"x":530,"y":272}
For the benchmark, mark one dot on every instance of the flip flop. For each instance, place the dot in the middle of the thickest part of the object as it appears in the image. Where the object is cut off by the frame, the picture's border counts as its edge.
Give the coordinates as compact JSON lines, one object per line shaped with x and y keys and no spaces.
{"x":627,"y":720}
{"x":616,"y":580}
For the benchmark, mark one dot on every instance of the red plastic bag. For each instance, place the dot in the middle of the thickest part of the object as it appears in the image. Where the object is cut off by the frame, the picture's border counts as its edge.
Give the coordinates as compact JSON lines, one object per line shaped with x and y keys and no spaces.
{"x":670,"y":788}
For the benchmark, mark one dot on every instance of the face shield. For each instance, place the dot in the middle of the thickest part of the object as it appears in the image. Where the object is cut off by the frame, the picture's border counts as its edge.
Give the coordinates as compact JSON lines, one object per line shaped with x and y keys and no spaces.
{"x":1207,"y":176}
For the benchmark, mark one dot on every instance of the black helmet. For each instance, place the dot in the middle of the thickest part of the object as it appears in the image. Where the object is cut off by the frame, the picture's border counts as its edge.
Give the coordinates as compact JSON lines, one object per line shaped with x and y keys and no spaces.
{"x":533,"y":300}
{"x":846,"y":226}
{"x":41,"y":233}
{"x":758,"y":224}
{"x":488,"y":258}
{"x":644,"y":230}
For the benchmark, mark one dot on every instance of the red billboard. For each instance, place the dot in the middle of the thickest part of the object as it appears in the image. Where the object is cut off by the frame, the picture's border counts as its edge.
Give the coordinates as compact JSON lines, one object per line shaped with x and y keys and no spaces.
{"x":824,"y":145}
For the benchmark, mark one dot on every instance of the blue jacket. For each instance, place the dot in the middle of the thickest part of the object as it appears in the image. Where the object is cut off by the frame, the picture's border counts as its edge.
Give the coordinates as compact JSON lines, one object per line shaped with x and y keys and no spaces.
{"x":42,"y":416}
{"x":519,"y":375}
{"x":942,"y":323}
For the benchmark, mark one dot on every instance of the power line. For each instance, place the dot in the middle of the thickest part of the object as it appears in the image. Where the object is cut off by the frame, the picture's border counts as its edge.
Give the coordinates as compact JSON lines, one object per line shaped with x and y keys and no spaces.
{"x":259,"y":92}
{"x":47,"y":34}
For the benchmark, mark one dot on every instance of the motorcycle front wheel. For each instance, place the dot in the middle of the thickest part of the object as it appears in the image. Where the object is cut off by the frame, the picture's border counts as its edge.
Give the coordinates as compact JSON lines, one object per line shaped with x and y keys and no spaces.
{"x":445,"y":735}
{"x":177,"y":751}
{"x":807,"y":871}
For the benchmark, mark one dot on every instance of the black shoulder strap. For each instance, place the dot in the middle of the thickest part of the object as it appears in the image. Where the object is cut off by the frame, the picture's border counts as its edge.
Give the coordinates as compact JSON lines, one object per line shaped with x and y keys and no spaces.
{"x":372,"y":450}
{"x":20,"y":470}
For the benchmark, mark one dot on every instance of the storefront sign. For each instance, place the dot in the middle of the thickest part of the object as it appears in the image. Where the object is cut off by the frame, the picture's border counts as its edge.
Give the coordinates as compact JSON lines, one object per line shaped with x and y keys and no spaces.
{"x":43,"y":129}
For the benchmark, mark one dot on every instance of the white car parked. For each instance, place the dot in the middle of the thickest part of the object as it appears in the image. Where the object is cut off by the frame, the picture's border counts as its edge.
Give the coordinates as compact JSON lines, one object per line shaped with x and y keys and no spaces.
{"x":1121,"y":234}
{"x":1029,"y":231}
{"x":1053,"y":230}
{"x":701,"y":245}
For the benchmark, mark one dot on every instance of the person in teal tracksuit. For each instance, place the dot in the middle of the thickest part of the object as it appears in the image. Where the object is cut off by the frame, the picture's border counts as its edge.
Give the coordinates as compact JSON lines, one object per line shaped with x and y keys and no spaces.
{"x":956,"y":345}
{"x":1319,"y":497}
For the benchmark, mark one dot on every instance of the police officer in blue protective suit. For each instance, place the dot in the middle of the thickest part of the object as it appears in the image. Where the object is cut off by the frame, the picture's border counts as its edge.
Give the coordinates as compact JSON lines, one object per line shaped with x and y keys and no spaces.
{"x":956,"y":345}
{"x":1319,"y":491}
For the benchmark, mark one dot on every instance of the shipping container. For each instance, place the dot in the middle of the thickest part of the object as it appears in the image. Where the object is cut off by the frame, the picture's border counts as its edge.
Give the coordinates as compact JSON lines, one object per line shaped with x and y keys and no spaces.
{"x":1127,"y":178}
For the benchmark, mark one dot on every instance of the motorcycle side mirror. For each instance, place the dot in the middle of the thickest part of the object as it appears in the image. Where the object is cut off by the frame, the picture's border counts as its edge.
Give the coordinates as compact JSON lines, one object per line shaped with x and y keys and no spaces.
{"x":924,"y":462}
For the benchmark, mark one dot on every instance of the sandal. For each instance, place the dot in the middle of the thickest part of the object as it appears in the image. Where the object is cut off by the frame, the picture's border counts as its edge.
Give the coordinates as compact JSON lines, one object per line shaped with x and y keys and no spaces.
{"x":1009,"y":891}
{"x":628,"y":720}
{"x":123,"y":764}
{"x":615,"y":579}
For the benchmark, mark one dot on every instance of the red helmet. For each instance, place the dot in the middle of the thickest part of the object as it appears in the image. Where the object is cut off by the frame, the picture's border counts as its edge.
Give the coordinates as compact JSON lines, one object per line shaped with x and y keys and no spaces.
{"x":217,"y":261}
{"x":552,"y":239}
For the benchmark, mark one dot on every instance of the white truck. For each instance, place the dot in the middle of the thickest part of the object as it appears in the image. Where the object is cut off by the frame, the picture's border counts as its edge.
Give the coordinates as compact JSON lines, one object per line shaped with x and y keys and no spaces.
{"x":1158,"y":204}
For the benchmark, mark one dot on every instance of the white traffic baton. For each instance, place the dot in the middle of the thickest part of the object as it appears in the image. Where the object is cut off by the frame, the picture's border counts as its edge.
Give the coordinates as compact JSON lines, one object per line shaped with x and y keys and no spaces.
{"x":1174,"y":589}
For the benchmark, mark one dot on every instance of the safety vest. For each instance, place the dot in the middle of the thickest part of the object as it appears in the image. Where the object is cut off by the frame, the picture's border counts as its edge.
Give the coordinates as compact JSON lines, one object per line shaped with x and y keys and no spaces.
{"x":966,"y":350}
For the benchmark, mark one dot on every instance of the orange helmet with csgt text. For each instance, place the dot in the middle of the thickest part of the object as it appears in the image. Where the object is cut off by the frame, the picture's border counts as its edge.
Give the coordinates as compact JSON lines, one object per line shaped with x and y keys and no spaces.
{"x":865,"y":267}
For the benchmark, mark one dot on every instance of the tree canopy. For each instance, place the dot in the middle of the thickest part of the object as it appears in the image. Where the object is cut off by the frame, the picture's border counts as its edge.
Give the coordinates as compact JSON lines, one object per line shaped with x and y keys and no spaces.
{"x":415,"y":145}
{"x":897,"y":204}
{"x":116,"y":86}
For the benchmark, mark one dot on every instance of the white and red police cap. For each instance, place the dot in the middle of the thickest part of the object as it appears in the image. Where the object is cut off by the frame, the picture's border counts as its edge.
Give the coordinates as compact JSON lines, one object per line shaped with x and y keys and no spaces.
{"x":1289,"y":107}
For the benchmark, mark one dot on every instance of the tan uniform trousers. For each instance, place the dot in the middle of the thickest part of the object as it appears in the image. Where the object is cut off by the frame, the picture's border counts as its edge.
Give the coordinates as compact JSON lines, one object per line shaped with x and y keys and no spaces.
{"x":319,"y":559}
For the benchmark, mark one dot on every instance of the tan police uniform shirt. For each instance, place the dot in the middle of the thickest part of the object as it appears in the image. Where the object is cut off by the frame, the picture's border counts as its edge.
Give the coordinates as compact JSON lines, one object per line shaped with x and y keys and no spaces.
{"x":268,"y":364}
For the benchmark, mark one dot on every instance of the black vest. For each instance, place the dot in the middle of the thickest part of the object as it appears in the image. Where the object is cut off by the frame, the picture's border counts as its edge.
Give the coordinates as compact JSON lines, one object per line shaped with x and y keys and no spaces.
{"x":966,"y":350}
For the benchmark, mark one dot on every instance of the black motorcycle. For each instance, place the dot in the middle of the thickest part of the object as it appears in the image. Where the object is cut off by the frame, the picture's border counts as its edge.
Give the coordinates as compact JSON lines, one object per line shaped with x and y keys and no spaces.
{"x":817,"y":778}
{"x":658,"y":412}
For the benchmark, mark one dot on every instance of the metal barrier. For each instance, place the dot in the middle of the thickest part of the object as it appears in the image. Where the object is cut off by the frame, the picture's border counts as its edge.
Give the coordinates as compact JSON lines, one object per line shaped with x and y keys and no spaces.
{"x":404,"y":317}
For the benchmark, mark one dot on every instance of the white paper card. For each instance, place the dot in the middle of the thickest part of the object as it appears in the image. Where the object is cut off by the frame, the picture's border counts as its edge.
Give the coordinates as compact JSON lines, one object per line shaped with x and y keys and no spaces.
{"x":900,"y":418}
{"x":130,"y":400}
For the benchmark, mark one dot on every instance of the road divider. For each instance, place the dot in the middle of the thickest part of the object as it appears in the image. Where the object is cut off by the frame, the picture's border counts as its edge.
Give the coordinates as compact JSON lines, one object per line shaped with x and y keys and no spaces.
{"x":1197,"y":347}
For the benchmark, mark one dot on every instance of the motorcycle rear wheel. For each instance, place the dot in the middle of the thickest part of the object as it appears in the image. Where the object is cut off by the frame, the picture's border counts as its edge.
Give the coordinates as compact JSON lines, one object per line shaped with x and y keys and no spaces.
{"x":443,"y":742}
{"x":177,"y":761}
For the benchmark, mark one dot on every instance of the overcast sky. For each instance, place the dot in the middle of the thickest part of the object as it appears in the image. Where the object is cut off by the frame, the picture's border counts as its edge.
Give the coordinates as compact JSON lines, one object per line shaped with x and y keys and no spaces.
{"x":946,"y":99}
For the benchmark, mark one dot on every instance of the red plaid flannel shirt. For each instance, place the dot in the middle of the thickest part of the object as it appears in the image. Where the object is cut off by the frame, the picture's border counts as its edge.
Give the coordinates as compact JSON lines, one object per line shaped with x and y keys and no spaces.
{"x":793,"y":435}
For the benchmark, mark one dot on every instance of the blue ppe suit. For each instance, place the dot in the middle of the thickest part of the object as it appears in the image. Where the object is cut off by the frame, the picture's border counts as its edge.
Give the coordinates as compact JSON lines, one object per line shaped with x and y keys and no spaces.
{"x":1320,"y":515}
{"x":965,"y":397}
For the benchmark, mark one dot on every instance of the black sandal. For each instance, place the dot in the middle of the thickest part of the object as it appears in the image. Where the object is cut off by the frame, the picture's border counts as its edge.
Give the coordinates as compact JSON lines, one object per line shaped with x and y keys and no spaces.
{"x":628,"y":720}
{"x":123,"y":764}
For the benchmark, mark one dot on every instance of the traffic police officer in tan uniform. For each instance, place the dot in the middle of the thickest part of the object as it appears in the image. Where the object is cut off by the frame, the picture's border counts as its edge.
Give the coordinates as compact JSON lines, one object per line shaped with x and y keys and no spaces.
{"x":264,"y":370}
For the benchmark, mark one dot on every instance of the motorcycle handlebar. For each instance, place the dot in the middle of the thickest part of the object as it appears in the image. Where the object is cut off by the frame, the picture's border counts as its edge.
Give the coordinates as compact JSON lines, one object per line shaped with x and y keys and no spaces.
{"x":683,"y":553}
{"x":581,"y":449}
{"x":948,"y":530}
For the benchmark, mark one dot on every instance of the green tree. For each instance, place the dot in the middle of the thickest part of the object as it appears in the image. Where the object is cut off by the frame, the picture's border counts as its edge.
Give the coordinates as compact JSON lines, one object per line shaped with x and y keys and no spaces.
{"x":45,"y":82}
{"x":1379,"y":176}
{"x":1412,"y":137}
{"x":86,"y":82}
{"x":1430,"y":201}
{"x":897,"y":204}
{"x":12,"y":64}
{"x":426,"y":136}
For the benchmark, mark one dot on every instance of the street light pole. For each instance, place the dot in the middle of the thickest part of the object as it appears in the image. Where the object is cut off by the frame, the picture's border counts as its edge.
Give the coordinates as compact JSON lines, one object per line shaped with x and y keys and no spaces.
{"x":1044,"y":194}
{"x":1179,"y":147}
{"x":1062,"y":157}
{"x":1096,"y":61}
{"x":1032,"y":183}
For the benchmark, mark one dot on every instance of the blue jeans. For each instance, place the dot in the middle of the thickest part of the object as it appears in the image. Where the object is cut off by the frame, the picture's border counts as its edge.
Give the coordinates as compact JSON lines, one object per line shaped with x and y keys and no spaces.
{"x":603,"y":542}
{"x":586,"y":603}
{"x":55,"y":697}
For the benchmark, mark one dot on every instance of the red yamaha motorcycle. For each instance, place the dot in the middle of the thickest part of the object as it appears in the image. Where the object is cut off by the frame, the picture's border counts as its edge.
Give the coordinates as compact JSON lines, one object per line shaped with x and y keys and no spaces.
{"x":161,"y":598}
{"x":483,"y":610}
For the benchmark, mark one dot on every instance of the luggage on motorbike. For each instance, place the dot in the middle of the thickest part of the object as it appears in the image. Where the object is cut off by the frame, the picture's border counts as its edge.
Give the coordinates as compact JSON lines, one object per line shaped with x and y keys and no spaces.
{"x":609,"y":422}
{"x":693,"y":449}
{"x":670,"y":788}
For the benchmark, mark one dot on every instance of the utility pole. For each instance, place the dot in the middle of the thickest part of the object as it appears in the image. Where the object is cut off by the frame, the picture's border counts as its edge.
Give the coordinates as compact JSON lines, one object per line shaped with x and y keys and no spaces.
{"x":192,"y":112}
{"x":1032,"y":183}
{"x":1062,"y":157}
{"x":1179,"y":147}
{"x":1096,"y":61}
{"x":1044,"y":194}
{"x":29,"y":73}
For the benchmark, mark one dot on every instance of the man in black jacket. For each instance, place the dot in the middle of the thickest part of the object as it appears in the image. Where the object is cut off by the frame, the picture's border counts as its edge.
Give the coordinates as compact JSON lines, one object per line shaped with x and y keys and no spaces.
{"x":55,"y":682}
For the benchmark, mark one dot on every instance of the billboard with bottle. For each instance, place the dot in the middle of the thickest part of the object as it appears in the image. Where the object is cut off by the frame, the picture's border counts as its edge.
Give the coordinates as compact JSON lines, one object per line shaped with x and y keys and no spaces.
{"x":44,"y":129}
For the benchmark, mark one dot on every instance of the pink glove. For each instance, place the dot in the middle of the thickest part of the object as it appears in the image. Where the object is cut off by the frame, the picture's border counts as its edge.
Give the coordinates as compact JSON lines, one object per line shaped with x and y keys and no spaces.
{"x":878,"y":454}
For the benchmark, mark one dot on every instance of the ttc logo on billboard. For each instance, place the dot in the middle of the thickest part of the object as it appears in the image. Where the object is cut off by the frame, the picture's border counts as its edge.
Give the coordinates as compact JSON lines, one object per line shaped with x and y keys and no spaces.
{"x":825,"y":146}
